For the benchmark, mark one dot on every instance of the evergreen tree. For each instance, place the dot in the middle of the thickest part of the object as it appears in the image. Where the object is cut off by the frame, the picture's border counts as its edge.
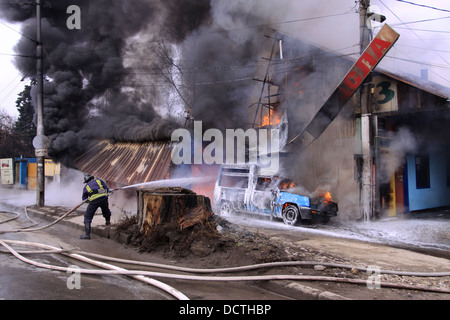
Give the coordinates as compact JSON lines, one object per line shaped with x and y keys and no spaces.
{"x":25,"y":128}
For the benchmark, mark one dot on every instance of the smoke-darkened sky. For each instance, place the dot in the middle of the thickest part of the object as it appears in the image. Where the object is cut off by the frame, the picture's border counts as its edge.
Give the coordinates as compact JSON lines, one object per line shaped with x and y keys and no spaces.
{"x":115,"y":77}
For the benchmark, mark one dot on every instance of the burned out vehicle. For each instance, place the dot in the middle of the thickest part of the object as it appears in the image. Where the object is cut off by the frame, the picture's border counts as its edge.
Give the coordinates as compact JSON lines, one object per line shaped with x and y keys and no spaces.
{"x":249,"y":189}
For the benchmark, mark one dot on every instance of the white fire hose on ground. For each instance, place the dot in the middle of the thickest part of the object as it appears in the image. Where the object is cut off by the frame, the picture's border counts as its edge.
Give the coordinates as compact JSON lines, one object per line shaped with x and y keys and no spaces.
{"x":143,"y":275}
{"x":112,"y":269}
{"x":28,"y":229}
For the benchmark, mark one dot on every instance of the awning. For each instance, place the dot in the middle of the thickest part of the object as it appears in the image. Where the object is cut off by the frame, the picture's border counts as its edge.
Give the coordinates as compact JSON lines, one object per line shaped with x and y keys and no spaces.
{"x":127,"y":163}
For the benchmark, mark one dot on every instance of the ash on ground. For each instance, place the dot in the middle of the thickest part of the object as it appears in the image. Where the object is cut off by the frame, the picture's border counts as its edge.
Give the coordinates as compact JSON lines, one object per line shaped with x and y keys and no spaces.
{"x":213,"y":238}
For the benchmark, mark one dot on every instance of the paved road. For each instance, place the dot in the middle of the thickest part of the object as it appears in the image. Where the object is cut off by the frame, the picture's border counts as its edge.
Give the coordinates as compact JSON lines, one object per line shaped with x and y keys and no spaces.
{"x":19,"y":280}
{"x":414,"y":231}
{"x":426,"y":232}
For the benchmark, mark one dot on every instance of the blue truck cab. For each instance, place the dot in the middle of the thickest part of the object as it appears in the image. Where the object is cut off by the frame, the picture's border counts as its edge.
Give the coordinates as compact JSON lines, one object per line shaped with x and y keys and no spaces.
{"x":252,"y":189}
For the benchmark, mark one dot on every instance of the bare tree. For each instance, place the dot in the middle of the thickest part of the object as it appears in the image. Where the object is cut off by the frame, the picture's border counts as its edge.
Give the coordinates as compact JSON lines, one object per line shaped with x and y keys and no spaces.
{"x":7,"y":145}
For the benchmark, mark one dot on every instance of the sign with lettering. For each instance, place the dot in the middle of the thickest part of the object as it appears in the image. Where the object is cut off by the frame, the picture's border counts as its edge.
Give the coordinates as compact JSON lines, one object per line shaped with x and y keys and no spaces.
{"x":7,"y":171}
{"x":369,"y":59}
{"x":384,"y":94}
{"x":373,"y":54}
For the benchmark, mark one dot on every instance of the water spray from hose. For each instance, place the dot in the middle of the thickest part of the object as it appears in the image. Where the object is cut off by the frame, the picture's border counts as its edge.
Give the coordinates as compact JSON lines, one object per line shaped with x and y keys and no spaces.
{"x":177,"y":182}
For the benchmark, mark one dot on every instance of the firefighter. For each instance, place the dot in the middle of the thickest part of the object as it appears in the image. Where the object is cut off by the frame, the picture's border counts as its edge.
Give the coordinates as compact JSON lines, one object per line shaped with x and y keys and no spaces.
{"x":97,"y":192}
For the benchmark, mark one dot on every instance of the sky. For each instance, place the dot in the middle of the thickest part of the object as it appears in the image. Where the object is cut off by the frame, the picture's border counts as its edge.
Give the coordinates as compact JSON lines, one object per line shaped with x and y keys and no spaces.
{"x":427,"y":42}
{"x":10,"y":79}
{"x":422,"y":44}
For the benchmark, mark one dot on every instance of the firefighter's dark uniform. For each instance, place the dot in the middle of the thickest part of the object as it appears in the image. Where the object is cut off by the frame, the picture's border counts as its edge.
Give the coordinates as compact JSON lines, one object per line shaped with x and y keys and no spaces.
{"x":96,"y":191}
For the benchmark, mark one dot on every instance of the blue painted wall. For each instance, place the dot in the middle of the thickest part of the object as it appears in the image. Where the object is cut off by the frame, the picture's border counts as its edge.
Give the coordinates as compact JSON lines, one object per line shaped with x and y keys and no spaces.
{"x":23,"y":169}
{"x":438,"y":194}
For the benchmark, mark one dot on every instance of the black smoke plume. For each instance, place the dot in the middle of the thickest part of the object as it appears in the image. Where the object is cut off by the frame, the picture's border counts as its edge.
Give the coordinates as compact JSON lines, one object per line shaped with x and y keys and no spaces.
{"x":133,"y":64}
{"x":85,"y":72}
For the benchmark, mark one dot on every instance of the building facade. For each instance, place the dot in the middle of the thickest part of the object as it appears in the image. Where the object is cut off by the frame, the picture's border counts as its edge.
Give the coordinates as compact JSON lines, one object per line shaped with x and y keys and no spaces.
{"x":409,"y":133}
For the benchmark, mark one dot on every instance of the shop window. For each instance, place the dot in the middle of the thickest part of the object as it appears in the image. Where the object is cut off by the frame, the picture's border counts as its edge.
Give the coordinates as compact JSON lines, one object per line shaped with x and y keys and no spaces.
{"x":422,"y":171}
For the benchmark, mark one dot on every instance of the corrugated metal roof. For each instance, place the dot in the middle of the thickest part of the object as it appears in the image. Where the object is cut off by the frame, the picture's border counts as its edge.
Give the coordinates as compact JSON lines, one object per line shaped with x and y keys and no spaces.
{"x":127,"y":163}
{"x":422,"y":84}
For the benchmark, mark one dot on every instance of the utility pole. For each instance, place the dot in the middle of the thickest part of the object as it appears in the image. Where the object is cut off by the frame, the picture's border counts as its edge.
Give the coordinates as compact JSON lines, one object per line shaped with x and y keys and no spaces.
{"x":41,"y":142}
{"x":367,"y":197}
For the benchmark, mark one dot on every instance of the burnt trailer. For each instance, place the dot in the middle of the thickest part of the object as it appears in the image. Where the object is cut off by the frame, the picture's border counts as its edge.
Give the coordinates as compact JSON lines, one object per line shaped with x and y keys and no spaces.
{"x":253,"y":189}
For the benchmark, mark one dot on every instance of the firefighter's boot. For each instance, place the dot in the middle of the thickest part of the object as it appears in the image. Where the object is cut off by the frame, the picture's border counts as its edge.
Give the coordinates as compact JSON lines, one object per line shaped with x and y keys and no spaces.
{"x":108,"y":221}
{"x":87,"y":230}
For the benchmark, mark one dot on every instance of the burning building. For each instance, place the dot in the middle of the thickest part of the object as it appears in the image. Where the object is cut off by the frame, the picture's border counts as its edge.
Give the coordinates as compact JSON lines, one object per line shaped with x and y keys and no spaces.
{"x":408,"y":136}
{"x":114,"y":87}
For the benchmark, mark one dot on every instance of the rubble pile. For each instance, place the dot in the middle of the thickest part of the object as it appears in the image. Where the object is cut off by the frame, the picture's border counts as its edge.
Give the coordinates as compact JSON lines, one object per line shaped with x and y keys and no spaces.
{"x":201,"y":234}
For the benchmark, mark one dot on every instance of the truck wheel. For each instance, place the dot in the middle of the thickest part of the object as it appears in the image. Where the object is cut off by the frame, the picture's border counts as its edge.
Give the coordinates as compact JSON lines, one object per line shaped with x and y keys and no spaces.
{"x":226,"y":208}
{"x":291,"y":215}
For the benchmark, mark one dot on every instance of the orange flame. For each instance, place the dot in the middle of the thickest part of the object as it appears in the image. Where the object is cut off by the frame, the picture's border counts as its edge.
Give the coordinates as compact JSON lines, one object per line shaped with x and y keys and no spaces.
{"x":326,"y":196}
{"x":270,"y":119}
{"x":285,"y":185}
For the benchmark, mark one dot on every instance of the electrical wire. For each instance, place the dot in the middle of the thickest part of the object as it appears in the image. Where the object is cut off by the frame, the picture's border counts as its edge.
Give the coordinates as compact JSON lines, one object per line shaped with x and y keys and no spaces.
{"x":419,"y":62}
{"x":424,"y":30}
{"x":436,"y":53}
{"x":418,"y":21}
{"x":22,"y":34}
{"x":422,"y":48}
{"x":423,"y":5}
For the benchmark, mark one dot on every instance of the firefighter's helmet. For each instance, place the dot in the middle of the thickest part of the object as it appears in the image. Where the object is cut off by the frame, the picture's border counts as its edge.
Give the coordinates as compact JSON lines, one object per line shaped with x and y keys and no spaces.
{"x":88,"y":177}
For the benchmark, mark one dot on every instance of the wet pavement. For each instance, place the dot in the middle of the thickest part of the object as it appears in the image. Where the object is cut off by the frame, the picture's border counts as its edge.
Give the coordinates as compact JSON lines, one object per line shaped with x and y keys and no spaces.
{"x":20,"y":281}
{"x":425,"y":232}
{"x":429,"y":231}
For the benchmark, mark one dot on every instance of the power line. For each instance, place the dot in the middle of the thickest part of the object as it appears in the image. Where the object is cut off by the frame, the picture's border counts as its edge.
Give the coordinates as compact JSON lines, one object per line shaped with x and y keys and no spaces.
{"x":422,"y":48}
{"x":439,"y":55}
{"x":420,"y":62}
{"x":276,"y":23}
{"x":416,"y":21}
{"x":22,"y":34}
{"x":423,"y":5}
{"x":423,"y":30}
{"x":12,"y":91}
{"x":411,"y":60}
{"x":16,"y":55}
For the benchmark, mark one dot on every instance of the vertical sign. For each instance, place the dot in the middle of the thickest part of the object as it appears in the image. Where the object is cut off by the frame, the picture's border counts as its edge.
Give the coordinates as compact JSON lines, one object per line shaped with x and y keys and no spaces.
{"x":7,"y":171}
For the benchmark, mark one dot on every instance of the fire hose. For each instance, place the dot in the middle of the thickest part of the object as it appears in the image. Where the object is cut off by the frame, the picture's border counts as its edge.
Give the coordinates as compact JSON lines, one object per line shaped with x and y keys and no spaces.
{"x":28,"y":229}
{"x":112,"y":269}
{"x":143,"y":275}
{"x":151,"y":183}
